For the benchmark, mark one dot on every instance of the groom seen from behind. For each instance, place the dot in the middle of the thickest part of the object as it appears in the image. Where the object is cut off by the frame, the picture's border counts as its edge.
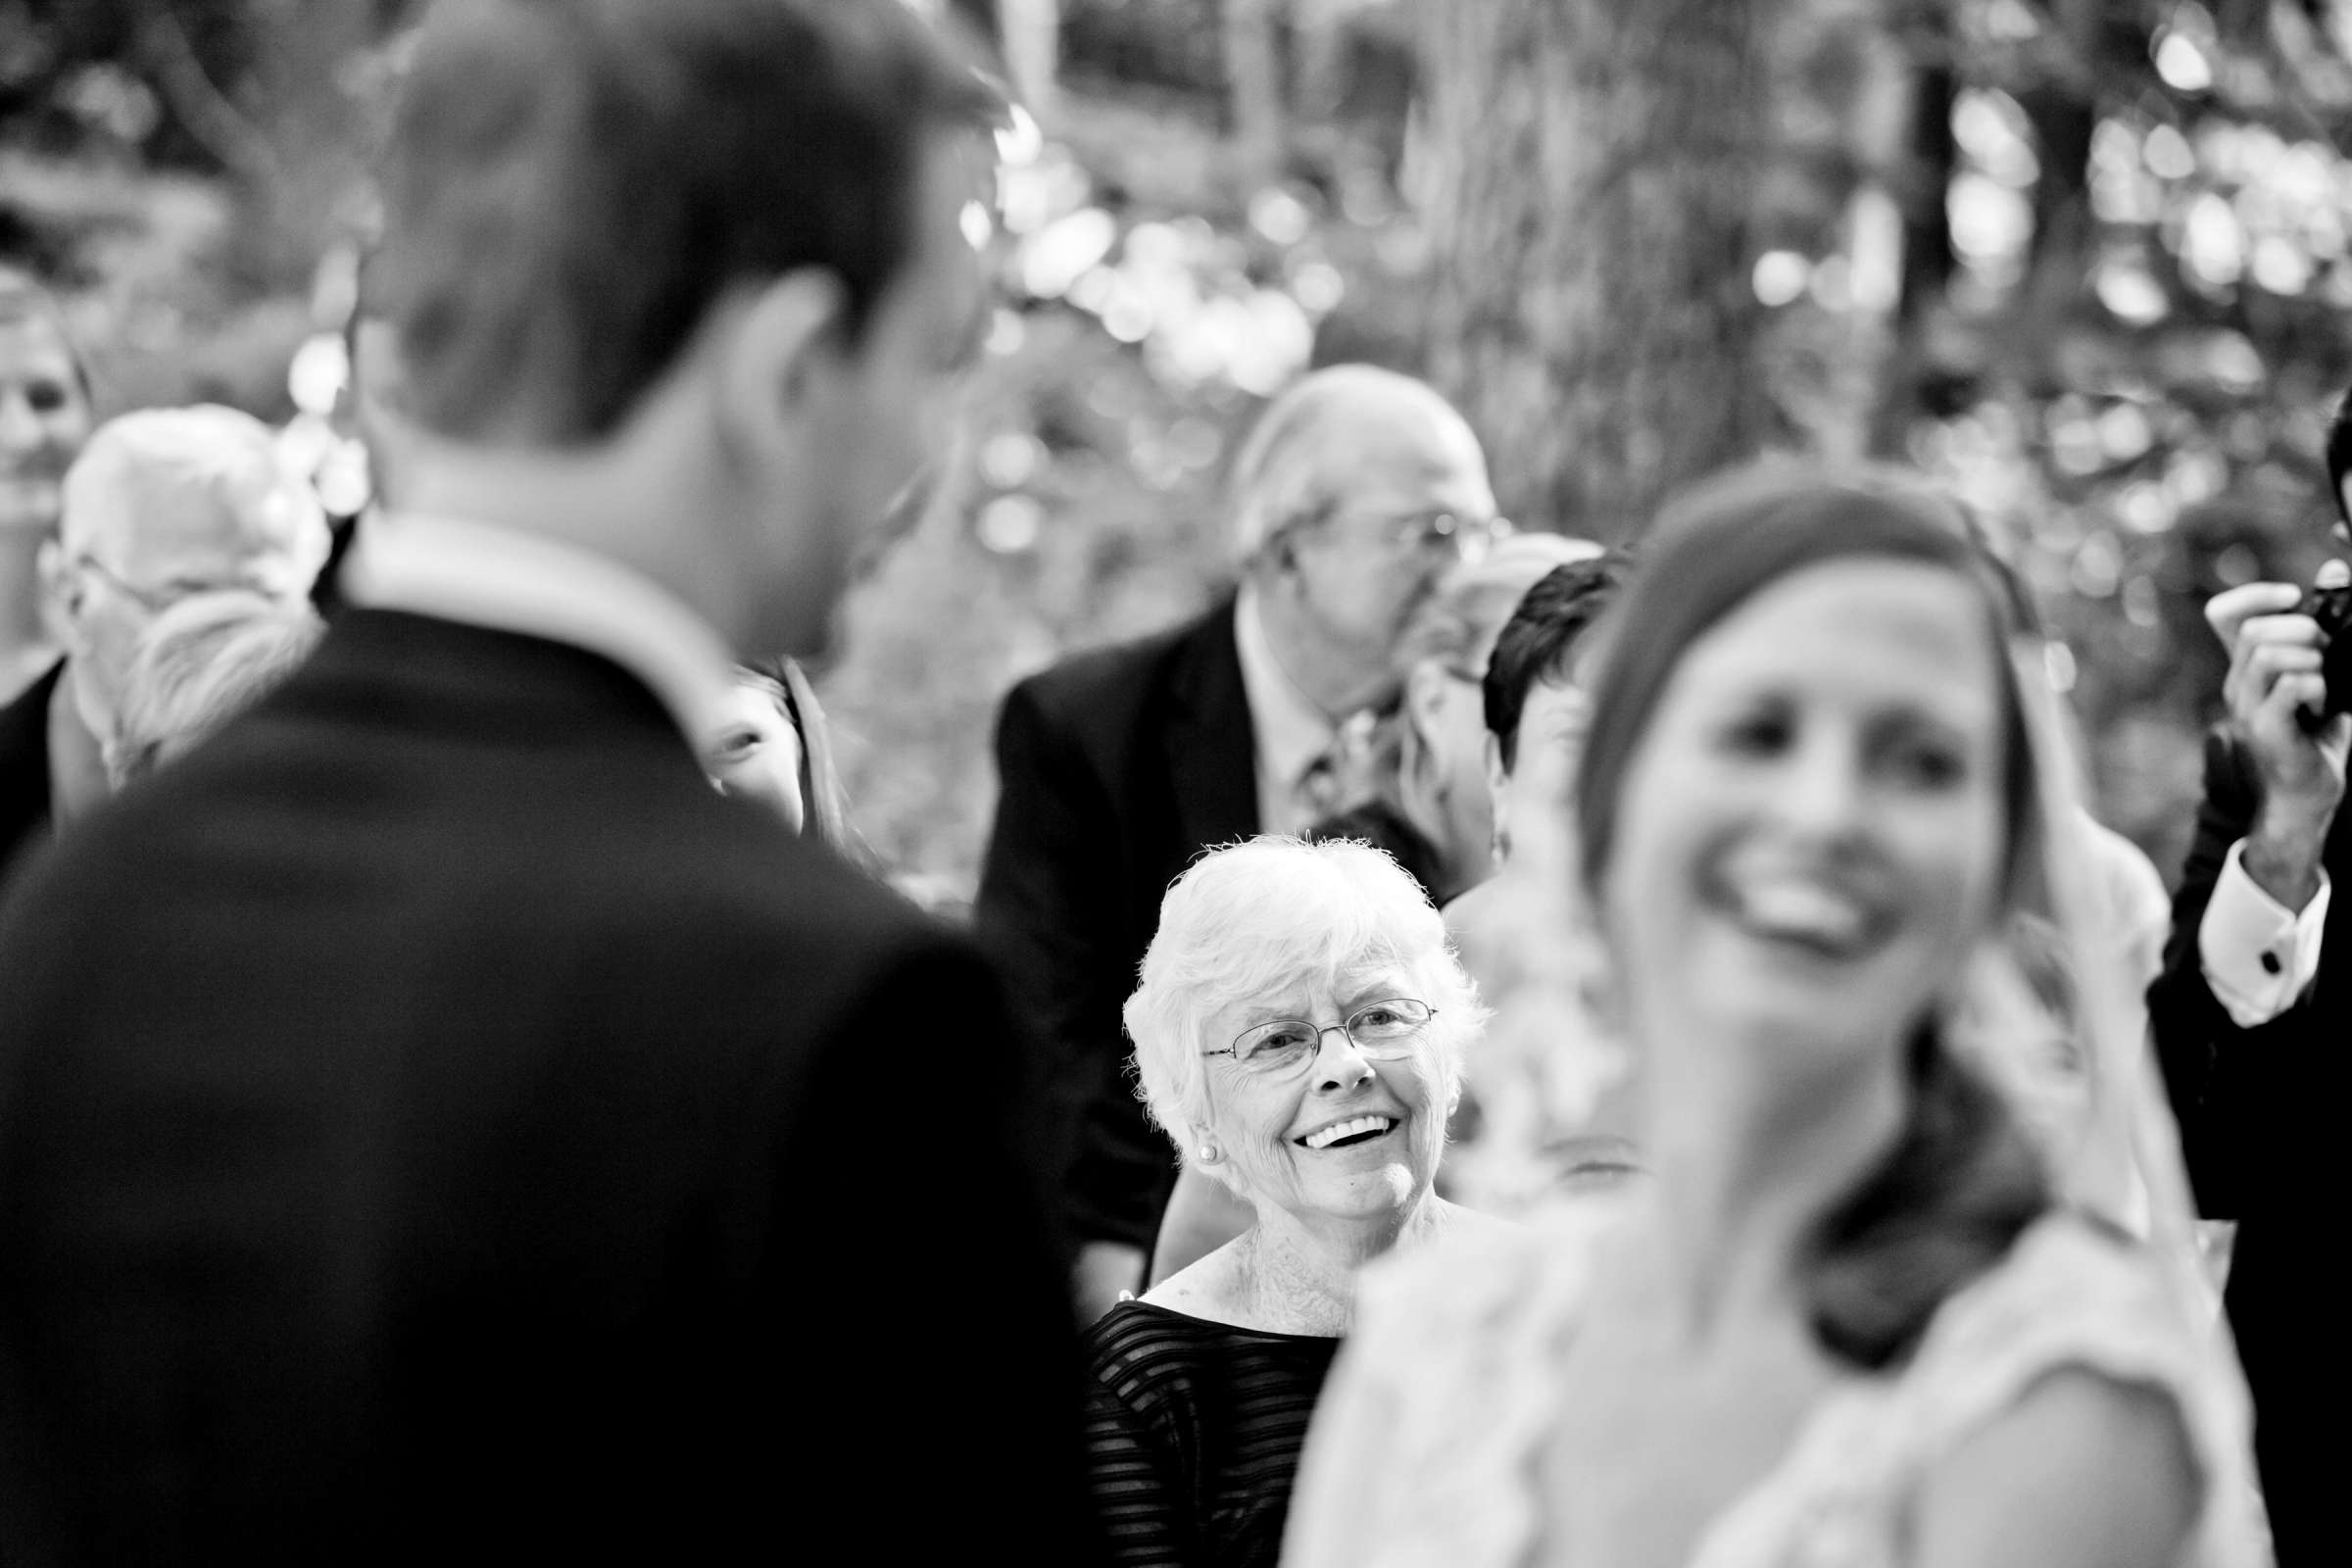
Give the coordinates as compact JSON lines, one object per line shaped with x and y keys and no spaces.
{"x":430,"y":1115}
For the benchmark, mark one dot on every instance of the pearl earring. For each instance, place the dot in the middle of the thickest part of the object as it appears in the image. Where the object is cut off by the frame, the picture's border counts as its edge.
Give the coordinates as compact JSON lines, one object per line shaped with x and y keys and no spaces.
{"x":1209,"y":1153}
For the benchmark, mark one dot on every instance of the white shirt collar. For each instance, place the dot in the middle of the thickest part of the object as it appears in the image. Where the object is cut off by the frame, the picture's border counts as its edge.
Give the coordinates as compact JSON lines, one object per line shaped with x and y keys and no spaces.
{"x":1291,"y":730}
{"x":508,"y":580}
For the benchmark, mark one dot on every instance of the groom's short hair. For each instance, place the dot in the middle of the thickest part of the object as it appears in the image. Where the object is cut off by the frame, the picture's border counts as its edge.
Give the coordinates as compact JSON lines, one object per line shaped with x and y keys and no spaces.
{"x":570,"y":186}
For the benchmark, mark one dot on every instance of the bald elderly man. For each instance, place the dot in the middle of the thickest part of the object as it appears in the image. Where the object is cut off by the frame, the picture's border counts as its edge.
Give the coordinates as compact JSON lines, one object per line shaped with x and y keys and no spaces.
{"x":1355,"y":491}
{"x":161,"y":503}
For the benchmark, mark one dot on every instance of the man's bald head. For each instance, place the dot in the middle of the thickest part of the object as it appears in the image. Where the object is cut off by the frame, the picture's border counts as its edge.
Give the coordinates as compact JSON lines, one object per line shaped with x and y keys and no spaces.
{"x":163,"y":481}
{"x":1330,"y":431}
{"x":162,"y":504}
{"x":1354,"y":494}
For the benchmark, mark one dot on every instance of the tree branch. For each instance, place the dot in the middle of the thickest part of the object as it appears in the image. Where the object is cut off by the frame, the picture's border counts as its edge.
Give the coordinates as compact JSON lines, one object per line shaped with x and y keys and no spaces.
{"x":202,"y":108}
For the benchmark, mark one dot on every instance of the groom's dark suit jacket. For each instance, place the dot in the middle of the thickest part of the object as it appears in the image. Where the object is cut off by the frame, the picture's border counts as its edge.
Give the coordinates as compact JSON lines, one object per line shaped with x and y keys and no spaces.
{"x":2263,"y":1126}
{"x":1117,"y":769}
{"x":434,"y":1125}
{"x":24,"y":767}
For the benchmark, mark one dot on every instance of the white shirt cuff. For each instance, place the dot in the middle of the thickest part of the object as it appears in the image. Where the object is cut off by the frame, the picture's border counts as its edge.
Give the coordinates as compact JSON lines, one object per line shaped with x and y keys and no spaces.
{"x":2258,"y":955}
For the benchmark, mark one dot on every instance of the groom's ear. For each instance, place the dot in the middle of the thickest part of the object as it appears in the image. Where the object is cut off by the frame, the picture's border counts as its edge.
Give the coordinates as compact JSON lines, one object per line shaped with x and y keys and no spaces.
{"x":773,"y":351}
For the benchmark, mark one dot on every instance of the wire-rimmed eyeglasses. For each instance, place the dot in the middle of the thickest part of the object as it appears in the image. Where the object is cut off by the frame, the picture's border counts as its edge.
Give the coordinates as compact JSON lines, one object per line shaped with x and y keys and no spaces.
{"x":1470,"y":537}
{"x":151,"y":600}
{"x":1277,"y":1049}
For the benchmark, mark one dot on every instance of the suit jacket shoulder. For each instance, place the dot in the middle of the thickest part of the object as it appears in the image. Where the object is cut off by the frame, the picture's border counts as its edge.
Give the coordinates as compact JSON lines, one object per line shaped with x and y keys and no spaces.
{"x":2233,"y":1090}
{"x":25,"y":764}
{"x":1115,"y":768}
{"x":529,"y":1125}
{"x":1119,"y":692}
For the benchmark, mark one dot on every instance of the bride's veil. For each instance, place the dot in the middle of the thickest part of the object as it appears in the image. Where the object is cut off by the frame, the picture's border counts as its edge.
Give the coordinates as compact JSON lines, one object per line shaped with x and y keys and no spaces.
{"x":2118,"y":1155}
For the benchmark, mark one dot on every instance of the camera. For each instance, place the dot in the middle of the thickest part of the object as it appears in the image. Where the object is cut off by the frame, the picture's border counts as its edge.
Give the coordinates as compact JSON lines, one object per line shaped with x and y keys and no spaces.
{"x":2332,"y":607}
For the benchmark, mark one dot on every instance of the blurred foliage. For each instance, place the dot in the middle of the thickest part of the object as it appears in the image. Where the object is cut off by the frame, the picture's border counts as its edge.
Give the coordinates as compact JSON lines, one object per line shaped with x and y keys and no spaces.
{"x":2086,"y":260}
{"x":175,"y":170}
{"x":2134,"y":359}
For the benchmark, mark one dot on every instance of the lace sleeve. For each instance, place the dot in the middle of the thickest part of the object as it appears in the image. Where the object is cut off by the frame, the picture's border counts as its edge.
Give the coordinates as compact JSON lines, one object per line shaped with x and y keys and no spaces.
{"x":2074,"y":1299}
{"x":2066,"y":1298}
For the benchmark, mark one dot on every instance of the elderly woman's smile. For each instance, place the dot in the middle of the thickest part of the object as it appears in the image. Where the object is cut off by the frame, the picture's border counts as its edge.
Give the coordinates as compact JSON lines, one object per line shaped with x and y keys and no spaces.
{"x":1349,"y":1132}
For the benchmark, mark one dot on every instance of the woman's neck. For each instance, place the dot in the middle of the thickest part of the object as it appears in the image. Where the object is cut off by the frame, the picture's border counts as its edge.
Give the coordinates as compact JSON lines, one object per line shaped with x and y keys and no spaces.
{"x":1297,"y":1276}
{"x":1747,"y":1166}
{"x":21,"y":627}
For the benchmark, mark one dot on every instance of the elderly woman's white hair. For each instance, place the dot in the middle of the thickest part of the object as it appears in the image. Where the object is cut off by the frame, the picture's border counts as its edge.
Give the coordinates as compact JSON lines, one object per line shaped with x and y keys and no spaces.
{"x":1253,"y":921}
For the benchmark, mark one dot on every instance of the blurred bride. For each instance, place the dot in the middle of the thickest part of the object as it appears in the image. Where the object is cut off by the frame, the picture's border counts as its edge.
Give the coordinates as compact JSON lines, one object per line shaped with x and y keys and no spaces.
{"x":1854,"y":1318}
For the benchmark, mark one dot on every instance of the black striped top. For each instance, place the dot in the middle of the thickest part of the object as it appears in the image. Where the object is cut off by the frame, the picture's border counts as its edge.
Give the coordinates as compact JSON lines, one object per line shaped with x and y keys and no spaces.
{"x":1192,"y":1434}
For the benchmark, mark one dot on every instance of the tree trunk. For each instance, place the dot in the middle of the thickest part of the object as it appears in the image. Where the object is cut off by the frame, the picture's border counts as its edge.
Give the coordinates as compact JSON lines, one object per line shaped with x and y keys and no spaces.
{"x":1915,"y":384}
{"x":1254,"y":82}
{"x":1590,"y":182}
{"x":315,"y":130}
{"x":1031,"y":34}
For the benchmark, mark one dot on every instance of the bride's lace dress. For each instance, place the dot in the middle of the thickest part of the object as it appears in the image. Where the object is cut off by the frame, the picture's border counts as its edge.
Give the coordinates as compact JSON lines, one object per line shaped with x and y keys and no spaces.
{"x":1427,"y":1449}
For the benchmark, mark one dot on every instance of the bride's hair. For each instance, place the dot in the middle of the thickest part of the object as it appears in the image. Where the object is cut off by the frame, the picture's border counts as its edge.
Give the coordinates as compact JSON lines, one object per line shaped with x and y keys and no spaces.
{"x":1963,"y":1178}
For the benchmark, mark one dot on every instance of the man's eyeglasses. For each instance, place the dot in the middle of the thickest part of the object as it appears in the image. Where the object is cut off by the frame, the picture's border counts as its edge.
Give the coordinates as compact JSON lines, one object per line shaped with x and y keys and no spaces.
{"x":1283,"y":1046}
{"x":1447,"y":531}
{"x":154,"y":601}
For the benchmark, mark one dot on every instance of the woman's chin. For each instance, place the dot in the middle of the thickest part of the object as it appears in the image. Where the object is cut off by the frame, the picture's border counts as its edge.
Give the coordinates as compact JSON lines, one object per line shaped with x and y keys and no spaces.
{"x":1761,"y":993}
{"x":1380,"y":1191}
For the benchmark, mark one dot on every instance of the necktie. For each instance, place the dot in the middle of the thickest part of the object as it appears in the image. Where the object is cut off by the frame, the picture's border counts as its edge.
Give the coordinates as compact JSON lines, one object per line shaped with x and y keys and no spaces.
{"x":1318,"y":791}
{"x":1340,"y":778}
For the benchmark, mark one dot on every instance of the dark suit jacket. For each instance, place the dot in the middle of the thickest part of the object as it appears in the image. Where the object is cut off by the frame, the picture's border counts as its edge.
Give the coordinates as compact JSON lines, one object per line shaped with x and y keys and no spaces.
{"x":435,"y":1125}
{"x":2262,"y":1125}
{"x":25,"y":766}
{"x":1117,"y":767}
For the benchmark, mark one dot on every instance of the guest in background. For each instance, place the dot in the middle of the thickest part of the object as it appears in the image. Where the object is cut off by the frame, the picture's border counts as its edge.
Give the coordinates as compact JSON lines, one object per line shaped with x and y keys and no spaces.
{"x":1355,"y":492}
{"x":161,"y":503}
{"x":1426,"y":799}
{"x":197,"y":665}
{"x":2252,"y":1010}
{"x":44,"y":419}
{"x":756,"y":751}
{"x":1534,"y":704}
{"x":775,"y":749}
{"x":1845,"y":1318}
{"x":1547,"y":1101}
{"x":1427,"y":807}
{"x":1297,"y":1032}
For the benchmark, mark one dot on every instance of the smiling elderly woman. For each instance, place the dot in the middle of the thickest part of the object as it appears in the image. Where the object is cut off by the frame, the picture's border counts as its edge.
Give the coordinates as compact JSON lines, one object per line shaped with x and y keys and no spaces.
{"x":1298,"y":1033}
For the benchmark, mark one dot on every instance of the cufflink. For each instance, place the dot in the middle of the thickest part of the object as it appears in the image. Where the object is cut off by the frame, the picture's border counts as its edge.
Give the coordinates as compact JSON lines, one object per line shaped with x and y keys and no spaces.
{"x":2269,"y":962}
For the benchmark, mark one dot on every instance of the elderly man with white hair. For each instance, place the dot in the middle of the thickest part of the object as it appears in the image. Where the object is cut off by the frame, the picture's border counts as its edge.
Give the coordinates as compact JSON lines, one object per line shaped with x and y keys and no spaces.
{"x":161,"y":503}
{"x":200,"y":664}
{"x":1299,"y":1032}
{"x":1355,"y":492}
